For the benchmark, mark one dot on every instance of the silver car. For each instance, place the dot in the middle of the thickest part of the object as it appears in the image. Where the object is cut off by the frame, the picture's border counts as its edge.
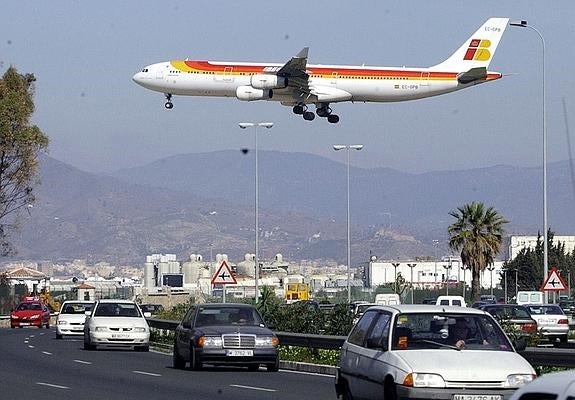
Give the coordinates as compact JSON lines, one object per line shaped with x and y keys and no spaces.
{"x":429,"y":352}
{"x":552,"y":322}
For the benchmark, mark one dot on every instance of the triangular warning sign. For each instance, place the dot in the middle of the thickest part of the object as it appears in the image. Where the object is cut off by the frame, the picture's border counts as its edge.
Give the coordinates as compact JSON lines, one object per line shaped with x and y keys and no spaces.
{"x":554,"y":282}
{"x":224,"y":275}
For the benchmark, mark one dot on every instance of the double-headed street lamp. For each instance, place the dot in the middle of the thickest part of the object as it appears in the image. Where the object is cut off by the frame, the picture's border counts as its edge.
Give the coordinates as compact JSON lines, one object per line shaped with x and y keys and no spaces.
{"x":348,"y":147}
{"x":256,"y":125}
{"x":523,"y":24}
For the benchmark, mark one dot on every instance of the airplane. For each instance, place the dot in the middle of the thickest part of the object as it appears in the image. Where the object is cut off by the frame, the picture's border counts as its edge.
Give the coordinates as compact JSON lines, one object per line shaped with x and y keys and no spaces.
{"x":297,"y":84}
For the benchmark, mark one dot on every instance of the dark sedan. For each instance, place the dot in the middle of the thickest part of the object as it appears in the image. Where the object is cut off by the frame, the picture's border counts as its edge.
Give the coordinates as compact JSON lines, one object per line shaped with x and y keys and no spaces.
{"x":225,"y":334}
{"x":515,"y":316}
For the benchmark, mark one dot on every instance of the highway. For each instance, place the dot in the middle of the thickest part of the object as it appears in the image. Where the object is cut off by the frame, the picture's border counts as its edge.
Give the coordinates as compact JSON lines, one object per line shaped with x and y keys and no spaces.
{"x":33,"y":364}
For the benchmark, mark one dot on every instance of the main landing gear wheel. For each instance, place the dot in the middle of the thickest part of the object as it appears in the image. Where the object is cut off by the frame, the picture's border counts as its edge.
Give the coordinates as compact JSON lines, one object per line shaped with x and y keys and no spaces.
{"x":308,"y":116}
{"x":299,"y":109}
{"x":169,"y":105}
{"x":333,"y":118}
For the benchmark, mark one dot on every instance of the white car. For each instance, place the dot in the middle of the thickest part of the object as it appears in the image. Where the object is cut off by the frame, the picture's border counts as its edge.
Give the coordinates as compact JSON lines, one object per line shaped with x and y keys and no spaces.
{"x":71,"y":318}
{"x":429,"y":352}
{"x":552,"y":322}
{"x":556,"y":386}
{"x":117,"y":323}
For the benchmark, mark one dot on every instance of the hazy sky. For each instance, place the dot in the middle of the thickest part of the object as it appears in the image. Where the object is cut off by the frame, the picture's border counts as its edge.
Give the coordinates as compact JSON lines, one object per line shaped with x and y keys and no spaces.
{"x":85,"y":53}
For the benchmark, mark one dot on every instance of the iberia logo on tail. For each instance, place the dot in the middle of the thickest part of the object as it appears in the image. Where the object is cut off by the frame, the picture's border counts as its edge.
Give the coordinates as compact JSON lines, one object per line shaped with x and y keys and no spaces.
{"x":478,"y":50}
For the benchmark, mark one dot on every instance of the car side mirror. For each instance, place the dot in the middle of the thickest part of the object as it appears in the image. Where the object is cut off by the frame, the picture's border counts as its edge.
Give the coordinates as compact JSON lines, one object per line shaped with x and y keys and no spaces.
{"x":186,"y":324}
{"x":87,"y":313}
{"x":147,"y":314}
{"x":520,"y":344}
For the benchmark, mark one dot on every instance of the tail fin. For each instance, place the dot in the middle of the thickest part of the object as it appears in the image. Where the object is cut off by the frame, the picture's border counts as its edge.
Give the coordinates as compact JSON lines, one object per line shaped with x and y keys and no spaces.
{"x":478,"y":50}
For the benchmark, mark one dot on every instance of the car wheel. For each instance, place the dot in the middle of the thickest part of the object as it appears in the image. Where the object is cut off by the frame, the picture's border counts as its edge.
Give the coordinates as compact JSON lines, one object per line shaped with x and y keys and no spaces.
{"x":88,"y":345}
{"x":195,"y":360}
{"x":253,"y":367}
{"x":178,"y":362}
{"x":273,"y":367}
{"x":389,"y":390}
{"x":563,"y":339}
{"x":58,"y":336}
{"x":142,"y":348}
{"x":346,"y":394}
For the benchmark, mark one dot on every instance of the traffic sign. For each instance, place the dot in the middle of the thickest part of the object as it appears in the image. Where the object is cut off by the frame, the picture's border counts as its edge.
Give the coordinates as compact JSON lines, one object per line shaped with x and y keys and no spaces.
{"x":224,"y":275}
{"x":554,"y":282}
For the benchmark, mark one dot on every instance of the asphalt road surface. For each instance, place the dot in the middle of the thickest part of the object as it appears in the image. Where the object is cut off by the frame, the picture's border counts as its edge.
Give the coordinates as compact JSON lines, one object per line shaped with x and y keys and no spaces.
{"x":33,"y":364}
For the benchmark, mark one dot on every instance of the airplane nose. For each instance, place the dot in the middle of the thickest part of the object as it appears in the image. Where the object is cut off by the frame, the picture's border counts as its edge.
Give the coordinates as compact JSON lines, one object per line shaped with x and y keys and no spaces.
{"x":137,"y":77}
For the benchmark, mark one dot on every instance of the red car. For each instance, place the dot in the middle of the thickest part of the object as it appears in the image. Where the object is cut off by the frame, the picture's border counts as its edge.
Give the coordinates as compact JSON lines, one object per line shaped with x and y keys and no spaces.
{"x":31,"y":312}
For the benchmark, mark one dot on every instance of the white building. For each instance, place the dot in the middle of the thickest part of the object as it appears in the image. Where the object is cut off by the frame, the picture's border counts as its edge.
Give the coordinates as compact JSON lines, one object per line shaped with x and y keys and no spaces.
{"x":428,"y":274}
{"x":520,"y":242}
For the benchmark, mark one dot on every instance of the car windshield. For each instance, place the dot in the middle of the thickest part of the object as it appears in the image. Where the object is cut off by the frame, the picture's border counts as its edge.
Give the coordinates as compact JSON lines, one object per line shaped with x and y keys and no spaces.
{"x":440,"y":331}
{"x":117,"y":310}
{"x":29,"y":306}
{"x":76,"y":308}
{"x":228,"y":316}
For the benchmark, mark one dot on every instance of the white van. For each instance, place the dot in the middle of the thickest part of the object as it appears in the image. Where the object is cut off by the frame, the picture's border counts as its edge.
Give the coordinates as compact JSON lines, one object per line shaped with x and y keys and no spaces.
{"x":529,"y":297}
{"x":387,"y":299}
{"x":450,"y":301}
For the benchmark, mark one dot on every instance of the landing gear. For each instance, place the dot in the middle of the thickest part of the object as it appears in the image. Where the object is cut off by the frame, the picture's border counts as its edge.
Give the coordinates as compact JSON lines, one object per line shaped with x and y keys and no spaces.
{"x":308,"y":116}
{"x":324,"y":111}
{"x":301,"y":109}
{"x":169,"y":105}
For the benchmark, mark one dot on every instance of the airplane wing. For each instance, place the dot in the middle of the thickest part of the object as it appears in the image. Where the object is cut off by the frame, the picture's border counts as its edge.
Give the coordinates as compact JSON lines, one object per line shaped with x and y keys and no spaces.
{"x":295,"y":71}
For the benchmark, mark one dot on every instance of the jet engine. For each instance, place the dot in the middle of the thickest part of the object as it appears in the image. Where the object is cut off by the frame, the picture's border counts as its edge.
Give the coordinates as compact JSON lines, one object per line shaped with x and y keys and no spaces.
{"x":248,"y":93}
{"x":268,"y":81}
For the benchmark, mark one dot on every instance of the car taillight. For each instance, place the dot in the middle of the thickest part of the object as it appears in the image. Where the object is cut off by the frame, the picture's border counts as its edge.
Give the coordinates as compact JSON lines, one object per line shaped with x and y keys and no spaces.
{"x":563,"y":321}
{"x":529,"y":328}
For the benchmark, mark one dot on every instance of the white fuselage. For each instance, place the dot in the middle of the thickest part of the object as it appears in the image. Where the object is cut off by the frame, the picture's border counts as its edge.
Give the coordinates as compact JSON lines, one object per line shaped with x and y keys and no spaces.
{"x":338,"y":83}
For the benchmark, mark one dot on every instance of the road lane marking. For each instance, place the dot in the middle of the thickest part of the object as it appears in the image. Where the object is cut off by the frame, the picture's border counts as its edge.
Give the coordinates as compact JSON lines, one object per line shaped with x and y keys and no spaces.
{"x":254,"y":388}
{"x":146,"y":373}
{"x":83,"y":362}
{"x":52,"y":385}
{"x":47,"y":353}
{"x":30,"y":346}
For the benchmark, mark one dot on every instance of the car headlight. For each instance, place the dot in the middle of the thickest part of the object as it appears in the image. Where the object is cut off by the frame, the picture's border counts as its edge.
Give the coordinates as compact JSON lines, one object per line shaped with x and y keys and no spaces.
{"x":13,"y":316}
{"x":101,"y":329}
{"x":267,"y":341}
{"x":210,"y":341}
{"x":518,"y":380}
{"x":62,"y":322}
{"x":424,"y":380}
{"x":34,"y":316}
{"x":139,"y":329}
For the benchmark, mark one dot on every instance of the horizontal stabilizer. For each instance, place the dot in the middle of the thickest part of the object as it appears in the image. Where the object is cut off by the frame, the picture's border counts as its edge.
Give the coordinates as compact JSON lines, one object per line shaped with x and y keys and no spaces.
{"x":474,"y":74}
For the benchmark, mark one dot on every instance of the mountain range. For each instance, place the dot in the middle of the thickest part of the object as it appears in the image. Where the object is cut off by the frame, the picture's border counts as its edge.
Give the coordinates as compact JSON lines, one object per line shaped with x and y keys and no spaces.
{"x":204,"y":203}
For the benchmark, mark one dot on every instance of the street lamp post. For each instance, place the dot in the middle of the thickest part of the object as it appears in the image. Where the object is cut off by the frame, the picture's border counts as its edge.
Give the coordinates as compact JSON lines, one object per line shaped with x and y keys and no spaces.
{"x":436,"y":245}
{"x":447,"y":268}
{"x":491,"y":268}
{"x":256,"y":125}
{"x":523,"y":24}
{"x":395,"y":265}
{"x":348,"y":147}
{"x":411,"y":266}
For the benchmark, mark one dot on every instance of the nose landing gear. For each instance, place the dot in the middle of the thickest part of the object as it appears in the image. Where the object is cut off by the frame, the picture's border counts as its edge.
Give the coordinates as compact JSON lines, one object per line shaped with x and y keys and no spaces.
{"x":169,"y":105}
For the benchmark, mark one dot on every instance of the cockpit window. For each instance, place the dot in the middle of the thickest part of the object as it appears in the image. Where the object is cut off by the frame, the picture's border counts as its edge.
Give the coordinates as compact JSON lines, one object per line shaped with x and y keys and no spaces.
{"x":145,"y":70}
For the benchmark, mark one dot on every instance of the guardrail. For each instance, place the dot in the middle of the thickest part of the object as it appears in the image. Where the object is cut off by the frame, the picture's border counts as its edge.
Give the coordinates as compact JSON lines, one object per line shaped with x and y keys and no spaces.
{"x":537,"y":356}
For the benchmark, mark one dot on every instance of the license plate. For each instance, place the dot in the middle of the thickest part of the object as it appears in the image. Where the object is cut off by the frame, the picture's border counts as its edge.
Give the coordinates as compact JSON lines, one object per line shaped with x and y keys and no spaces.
{"x":476,"y":397}
{"x":120,"y":335}
{"x":240,"y":353}
{"x":24,"y":323}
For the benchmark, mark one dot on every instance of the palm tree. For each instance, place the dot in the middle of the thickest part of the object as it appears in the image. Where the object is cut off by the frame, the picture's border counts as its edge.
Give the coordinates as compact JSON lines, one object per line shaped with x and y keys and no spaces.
{"x":477,"y":233}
